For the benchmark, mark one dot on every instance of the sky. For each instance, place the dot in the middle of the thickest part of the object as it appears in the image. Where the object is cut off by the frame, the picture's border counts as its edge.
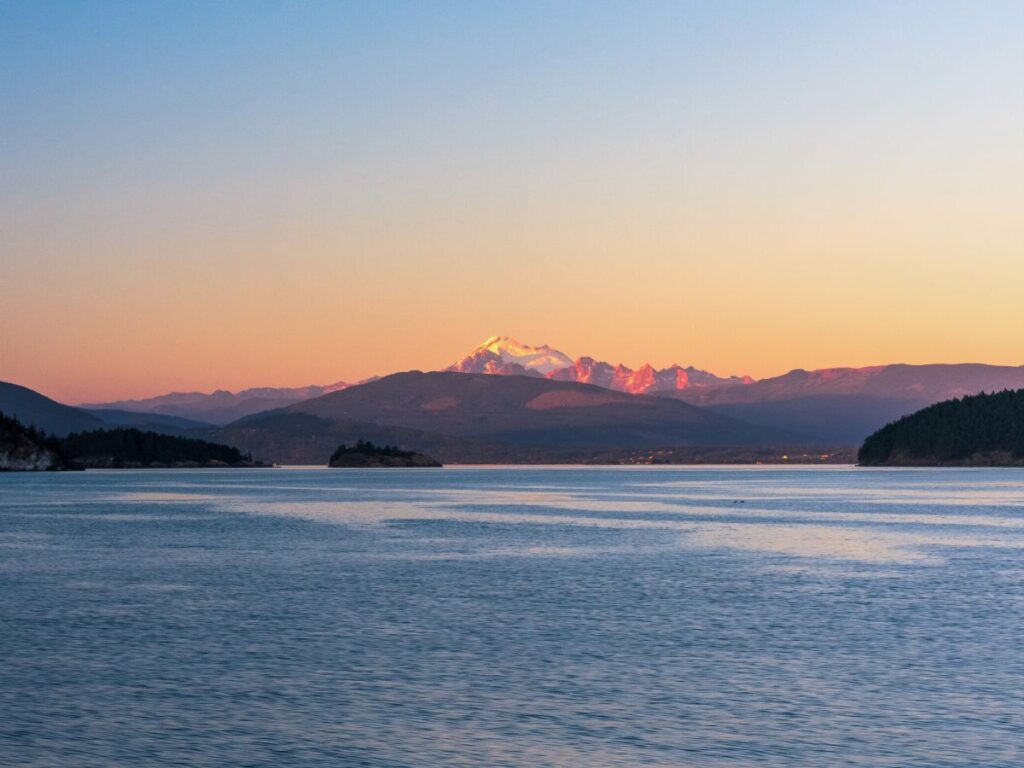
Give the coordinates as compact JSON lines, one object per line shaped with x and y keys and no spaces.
{"x":222,"y":195}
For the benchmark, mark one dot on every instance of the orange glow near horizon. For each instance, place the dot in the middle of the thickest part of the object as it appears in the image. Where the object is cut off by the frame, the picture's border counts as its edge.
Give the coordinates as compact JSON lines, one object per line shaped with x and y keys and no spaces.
{"x":136,"y":330}
{"x":304,"y":304}
{"x":725,"y":287}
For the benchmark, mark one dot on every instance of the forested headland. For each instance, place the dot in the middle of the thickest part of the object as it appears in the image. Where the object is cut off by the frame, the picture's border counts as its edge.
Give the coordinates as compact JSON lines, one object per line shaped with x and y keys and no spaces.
{"x":978,"y":430}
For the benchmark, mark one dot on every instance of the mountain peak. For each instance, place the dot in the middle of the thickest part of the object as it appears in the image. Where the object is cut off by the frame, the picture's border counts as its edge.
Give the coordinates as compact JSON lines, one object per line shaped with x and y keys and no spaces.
{"x":504,"y":351}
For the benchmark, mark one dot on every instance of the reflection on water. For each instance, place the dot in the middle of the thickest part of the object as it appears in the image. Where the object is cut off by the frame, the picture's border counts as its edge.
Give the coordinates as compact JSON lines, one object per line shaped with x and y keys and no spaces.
{"x":879,"y":535}
{"x":513,"y":617}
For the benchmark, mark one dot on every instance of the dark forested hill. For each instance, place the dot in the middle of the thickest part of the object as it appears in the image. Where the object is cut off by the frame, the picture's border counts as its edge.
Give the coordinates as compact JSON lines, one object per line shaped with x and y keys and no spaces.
{"x":981,"y":430}
{"x":39,"y":411}
{"x":34,"y":409}
{"x":132,"y":448}
{"x":476,"y":418}
{"x":524,"y":411}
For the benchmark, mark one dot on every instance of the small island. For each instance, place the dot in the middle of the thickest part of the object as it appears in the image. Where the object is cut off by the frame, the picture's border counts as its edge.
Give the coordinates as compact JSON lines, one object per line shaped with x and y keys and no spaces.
{"x":366,"y":455}
{"x":985,"y":430}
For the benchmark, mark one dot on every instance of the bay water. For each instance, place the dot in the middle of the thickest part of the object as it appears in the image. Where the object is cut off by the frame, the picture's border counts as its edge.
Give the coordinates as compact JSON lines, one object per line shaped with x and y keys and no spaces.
{"x":513,"y":616}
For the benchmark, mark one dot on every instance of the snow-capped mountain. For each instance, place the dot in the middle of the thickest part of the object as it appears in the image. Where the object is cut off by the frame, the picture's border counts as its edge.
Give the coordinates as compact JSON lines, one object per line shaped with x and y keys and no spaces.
{"x":504,"y":356}
{"x":644,"y":379}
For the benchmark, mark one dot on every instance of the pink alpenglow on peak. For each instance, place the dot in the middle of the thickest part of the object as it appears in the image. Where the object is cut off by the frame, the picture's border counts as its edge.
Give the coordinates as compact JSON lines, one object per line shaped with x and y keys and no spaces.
{"x":504,"y":356}
{"x":542,"y":359}
{"x":645,"y":379}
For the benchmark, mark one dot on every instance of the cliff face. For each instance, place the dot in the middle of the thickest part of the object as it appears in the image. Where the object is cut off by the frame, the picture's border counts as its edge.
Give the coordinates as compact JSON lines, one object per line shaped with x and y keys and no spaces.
{"x":21,"y":450}
{"x":30,"y":460}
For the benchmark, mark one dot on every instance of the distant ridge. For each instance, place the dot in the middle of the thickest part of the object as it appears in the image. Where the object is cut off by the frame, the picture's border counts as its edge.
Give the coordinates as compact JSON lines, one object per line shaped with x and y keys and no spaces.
{"x":221,"y":406}
{"x":929,"y":383}
{"x":148,"y":421}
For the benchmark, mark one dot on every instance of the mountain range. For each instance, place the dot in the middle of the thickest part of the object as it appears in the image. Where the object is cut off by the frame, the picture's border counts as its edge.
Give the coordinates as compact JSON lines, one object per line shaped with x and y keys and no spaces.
{"x":830,"y":406}
{"x":482,"y":418}
{"x":505,"y":356}
{"x":508,"y":401}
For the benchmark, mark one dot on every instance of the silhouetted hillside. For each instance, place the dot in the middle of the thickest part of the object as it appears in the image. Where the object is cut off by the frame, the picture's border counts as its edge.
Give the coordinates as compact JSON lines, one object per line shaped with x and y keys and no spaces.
{"x":842,"y":406}
{"x":982,"y":430}
{"x":39,"y":411}
{"x":834,"y":420}
{"x":539,"y":413}
{"x":132,"y":448}
{"x":148,"y":422}
{"x":300,"y":438}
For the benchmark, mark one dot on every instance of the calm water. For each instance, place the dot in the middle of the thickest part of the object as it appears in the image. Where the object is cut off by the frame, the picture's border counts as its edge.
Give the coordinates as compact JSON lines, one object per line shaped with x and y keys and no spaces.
{"x":513,"y":617}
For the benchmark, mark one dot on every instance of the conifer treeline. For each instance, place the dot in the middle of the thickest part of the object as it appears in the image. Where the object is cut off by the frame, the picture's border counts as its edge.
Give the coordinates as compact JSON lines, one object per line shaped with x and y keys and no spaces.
{"x":121,"y":447}
{"x":367,"y":448}
{"x":954,"y":431}
{"x":137,"y":448}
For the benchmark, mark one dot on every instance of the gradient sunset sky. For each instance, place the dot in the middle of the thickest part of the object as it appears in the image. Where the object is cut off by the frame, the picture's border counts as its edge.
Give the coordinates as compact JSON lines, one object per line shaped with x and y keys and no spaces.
{"x":224,"y":195}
